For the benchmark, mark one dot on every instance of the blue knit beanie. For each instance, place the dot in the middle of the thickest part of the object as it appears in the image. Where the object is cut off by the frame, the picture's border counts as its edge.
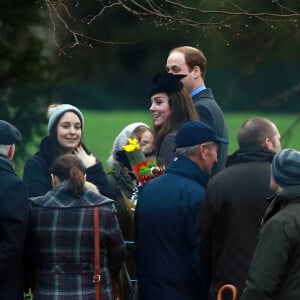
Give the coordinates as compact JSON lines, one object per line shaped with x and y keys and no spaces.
{"x":285,"y":168}
{"x":55,"y":112}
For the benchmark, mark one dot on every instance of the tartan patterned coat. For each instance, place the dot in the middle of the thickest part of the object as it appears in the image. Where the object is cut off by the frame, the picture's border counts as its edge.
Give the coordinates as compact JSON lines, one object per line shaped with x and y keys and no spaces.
{"x":61,"y":243}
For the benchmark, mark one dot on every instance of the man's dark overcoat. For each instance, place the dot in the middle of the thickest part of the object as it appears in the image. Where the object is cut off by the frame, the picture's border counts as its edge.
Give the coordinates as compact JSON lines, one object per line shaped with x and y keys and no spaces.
{"x":14,"y":208}
{"x":235,"y":204}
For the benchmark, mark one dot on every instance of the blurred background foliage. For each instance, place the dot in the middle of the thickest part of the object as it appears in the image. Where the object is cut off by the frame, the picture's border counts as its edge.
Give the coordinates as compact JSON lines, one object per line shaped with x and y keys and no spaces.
{"x":253,"y":62}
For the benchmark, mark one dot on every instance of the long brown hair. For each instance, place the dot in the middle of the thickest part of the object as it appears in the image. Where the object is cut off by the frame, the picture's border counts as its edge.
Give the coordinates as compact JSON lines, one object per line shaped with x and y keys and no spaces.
{"x":71,"y":168}
{"x":182,"y":109}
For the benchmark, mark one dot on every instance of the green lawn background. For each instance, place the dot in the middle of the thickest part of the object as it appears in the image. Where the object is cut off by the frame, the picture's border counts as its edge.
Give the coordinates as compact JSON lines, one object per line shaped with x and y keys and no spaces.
{"x":101,"y":128}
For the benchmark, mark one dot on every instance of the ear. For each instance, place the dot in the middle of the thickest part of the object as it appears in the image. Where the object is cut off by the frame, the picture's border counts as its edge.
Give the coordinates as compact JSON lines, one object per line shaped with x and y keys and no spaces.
{"x":197,"y":72}
{"x":274,"y":185}
{"x":11,"y":151}
{"x":202,"y":151}
{"x":268,"y":144}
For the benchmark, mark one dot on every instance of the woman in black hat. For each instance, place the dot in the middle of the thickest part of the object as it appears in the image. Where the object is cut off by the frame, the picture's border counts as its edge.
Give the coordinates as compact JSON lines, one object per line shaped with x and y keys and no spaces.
{"x":171,"y":107}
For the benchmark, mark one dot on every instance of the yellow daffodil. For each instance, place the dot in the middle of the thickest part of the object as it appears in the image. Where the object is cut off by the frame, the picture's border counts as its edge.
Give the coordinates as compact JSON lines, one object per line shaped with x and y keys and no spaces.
{"x":132,"y":145}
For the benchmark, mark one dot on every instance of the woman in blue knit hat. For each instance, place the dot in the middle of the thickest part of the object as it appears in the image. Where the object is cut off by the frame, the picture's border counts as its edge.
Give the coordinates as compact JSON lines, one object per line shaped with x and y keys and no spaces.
{"x":65,"y":127}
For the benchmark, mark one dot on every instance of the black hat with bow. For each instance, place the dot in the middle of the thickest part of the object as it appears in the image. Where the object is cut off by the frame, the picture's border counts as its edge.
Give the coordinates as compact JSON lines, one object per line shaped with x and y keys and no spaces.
{"x":166,"y":83}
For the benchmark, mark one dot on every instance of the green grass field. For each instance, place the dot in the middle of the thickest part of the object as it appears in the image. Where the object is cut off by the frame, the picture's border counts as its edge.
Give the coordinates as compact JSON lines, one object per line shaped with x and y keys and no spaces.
{"x":101,"y":127}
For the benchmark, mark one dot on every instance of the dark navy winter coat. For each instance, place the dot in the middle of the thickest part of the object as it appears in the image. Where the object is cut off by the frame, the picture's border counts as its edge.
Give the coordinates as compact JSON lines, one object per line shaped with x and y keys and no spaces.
{"x":37,"y":174}
{"x":14,"y":209}
{"x":168,"y":222}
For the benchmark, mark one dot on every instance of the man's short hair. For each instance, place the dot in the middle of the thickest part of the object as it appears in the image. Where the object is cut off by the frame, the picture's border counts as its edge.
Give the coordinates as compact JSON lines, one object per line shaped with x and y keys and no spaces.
{"x":4,"y":149}
{"x":187,"y":151}
{"x":193,"y":57}
{"x":254,"y":131}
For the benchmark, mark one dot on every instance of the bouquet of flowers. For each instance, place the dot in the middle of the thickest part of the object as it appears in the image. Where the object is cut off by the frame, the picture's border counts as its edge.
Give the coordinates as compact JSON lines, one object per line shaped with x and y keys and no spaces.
{"x":143,"y":169}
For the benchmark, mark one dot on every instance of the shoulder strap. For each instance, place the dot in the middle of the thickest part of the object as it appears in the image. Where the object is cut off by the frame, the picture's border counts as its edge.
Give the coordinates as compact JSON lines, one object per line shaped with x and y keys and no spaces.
{"x":97,"y":277}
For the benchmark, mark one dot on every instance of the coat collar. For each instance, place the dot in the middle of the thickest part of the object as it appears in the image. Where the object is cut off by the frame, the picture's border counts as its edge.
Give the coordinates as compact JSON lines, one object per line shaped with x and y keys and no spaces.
{"x":279,"y":200}
{"x":250,"y":154}
{"x":60,"y":197}
{"x":45,"y":151}
{"x":185,"y":167}
{"x":6,"y":164}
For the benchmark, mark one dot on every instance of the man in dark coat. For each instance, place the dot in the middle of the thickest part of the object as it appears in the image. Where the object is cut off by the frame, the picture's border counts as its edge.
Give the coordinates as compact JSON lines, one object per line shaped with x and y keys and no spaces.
{"x":236,"y":202}
{"x":275,"y":270}
{"x":168,"y":220}
{"x":14,"y":208}
{"x":191,"y":62}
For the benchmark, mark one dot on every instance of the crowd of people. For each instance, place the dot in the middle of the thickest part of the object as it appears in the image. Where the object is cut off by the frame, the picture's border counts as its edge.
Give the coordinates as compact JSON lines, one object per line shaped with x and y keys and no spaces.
{"x":209,"y":220}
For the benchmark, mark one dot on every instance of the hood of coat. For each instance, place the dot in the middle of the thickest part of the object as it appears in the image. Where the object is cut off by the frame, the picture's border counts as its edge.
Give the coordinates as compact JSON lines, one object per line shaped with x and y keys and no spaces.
{"x":250,"y":154}
{"x":279,"y":200}
{"x":185,"y":167}
{"x":289,"y":194}
{"x":60,"y":197}
{"x":45,"y":151}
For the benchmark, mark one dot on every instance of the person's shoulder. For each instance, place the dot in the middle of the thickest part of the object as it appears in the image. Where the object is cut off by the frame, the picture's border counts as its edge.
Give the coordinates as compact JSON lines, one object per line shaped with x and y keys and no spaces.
{"x":169,"y":137}
{"x":35,"y":162}
{"x":204,"y":94}
{"x":37,"y":201}
{"x":195,"y":184}
{"x":96,"y":199}
{"x":206,"y":98}
{"x":35,"y":158}
{"x":13,"y":183}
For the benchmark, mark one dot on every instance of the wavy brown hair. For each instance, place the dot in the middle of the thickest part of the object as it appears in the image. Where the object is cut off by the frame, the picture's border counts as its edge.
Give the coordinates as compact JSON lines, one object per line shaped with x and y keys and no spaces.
{"x":182,"y":109}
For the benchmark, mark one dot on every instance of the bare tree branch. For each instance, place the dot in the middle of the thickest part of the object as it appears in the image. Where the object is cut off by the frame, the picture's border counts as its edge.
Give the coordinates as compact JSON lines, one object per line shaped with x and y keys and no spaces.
{"x":59,"y":14}
{"x":285,"y":95}
{"x":170,"y":13}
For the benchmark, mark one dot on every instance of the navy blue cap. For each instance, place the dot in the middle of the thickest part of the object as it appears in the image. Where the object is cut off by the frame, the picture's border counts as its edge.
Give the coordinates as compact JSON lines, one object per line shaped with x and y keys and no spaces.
{"x":9,"y":134}
{"x":194,"y":133}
